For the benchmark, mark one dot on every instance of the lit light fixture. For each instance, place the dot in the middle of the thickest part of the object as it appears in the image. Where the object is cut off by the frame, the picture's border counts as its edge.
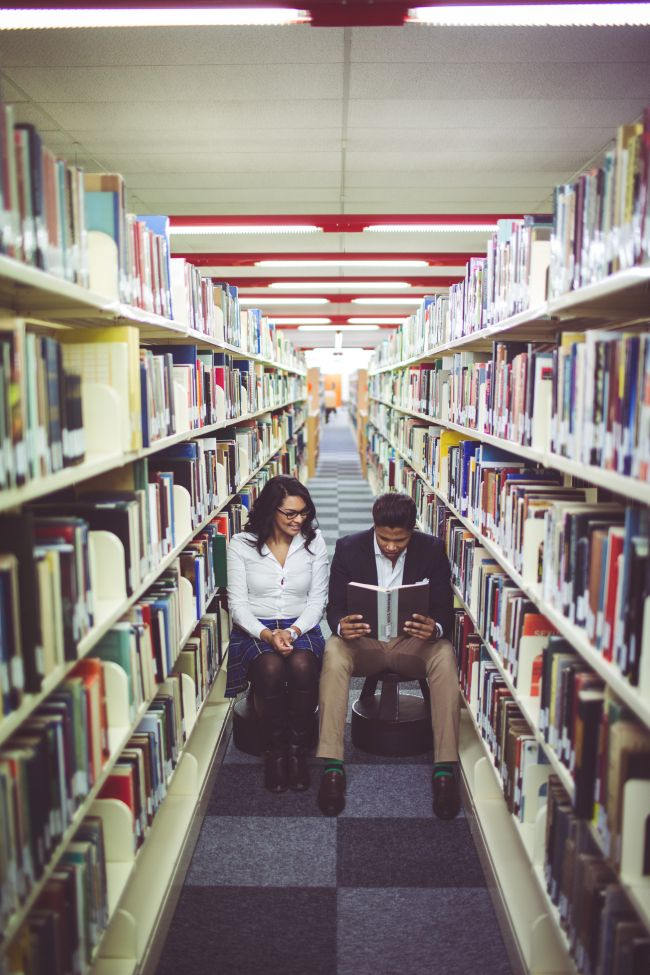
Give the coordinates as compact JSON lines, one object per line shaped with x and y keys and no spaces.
{"x":359,"y":328}
{"x":430,"y":228}
{"x":387,"y":301}
{"x":343,"y":262}
{"x":343,"y":284}
{"x":274,"y":300}
{"x":302,"y":321}
{"x":376,"y":321}
{"x":191,"y":230}
{"x":181,"y":16}
{"x":534,"y":15}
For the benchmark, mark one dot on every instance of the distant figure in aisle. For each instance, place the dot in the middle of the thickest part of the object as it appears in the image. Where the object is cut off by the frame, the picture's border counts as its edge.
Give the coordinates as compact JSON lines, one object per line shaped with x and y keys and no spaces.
{"x":277,"y":590}
{"x":390,"y":554}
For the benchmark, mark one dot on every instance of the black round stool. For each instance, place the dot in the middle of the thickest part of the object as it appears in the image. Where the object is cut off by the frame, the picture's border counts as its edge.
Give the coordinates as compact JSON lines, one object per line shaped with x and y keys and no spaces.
{"x":391,"y":724}
{"x":246,"y":730}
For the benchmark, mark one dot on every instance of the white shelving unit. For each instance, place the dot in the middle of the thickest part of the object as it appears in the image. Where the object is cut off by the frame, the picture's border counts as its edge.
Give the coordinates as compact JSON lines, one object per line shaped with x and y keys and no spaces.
{"x":629,"y":487}
{"x":623,"y":297}
{"x":516,"y":849}
{"x":141,"y":887}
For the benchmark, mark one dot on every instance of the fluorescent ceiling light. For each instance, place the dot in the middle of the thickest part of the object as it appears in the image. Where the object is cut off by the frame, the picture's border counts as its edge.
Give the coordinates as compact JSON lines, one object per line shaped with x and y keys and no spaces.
{"x":301,"y":320}
{"x":273,"y":300}
{"x":430,"y":228}
{"x":191,"y":230}
{"x":359,"y":328}
{"x":387,"y":301}
{"x":339,"y":285}
{"x":343,"y":262}
{"x":535,"y":15}
{"x":376,"y":321}
{"x":135,"y":16}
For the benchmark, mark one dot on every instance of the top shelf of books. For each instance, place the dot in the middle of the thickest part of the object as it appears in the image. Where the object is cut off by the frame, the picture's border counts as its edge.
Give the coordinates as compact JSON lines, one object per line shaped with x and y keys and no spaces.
{"x":622,"y":299}
{"x":33,"y":293}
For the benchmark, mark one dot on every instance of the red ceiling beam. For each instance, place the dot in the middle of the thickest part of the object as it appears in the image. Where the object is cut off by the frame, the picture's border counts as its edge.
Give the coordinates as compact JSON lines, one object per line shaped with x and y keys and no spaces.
{"x":337,"y":223}
{"x":439,"y":281}
{"x":344,"y":299}
{"x":223,"y":259}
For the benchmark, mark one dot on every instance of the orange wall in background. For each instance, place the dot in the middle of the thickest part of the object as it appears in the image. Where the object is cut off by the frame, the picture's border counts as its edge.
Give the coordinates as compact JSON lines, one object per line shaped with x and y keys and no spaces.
{"x":332,"y":389}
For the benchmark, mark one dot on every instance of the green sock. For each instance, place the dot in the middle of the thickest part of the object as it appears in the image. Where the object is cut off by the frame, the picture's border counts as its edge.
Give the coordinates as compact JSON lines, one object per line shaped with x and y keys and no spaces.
{"x":443,"y":768}
{"x":333,"y":765}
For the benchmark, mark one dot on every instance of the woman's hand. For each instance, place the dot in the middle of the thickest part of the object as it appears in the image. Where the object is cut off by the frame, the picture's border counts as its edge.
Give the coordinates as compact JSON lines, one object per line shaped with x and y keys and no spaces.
{"x":422,"y":627}
{"x":281,"y":642}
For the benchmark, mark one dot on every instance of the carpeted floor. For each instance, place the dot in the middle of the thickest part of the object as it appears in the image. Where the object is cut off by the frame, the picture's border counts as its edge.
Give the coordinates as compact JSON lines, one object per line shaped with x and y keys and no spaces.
{"x":275,"y":888}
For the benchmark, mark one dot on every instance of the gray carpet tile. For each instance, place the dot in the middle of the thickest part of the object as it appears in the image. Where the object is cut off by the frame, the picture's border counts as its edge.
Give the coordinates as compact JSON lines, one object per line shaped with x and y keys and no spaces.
{"x":240,"y":793}
{"x":458,"y":937}
{"x":248,"y":931}
{"x":395,"y":791}
{"x":260,"y":851}
{"x":424,"y":852}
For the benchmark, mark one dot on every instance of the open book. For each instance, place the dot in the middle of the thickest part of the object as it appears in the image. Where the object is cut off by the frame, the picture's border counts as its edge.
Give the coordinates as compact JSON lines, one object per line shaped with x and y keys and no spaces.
{"x":386,"y":610}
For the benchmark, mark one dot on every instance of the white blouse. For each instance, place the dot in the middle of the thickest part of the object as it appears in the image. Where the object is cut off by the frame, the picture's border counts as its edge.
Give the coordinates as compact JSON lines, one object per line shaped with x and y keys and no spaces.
{"x":260,"y":588}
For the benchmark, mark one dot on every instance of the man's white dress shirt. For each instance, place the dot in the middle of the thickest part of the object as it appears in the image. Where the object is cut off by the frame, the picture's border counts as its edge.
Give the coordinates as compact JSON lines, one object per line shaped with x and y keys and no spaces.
{"x":259,"y":588}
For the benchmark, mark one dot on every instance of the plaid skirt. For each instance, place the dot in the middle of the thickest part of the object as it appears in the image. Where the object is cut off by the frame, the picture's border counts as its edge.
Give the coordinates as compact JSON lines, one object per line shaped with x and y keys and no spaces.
{"x":244,"y":648}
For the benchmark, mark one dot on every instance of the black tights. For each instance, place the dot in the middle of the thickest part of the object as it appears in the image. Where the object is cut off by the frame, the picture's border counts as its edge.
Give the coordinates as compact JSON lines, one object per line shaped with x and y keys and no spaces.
{"x":285,"y":692}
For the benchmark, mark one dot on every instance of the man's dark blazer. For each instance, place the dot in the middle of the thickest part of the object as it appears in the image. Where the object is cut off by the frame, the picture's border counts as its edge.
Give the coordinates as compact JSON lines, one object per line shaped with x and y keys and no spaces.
{"x":354,"y":561}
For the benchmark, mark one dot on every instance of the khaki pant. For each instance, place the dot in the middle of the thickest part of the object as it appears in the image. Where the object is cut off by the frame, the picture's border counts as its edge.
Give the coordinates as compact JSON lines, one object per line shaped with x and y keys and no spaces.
{"x":407,"y":656}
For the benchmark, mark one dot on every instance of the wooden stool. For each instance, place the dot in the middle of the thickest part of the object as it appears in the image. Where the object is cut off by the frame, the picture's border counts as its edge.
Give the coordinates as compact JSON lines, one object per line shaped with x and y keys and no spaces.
{"x":246,"y":730}
{"x":391,"y":724}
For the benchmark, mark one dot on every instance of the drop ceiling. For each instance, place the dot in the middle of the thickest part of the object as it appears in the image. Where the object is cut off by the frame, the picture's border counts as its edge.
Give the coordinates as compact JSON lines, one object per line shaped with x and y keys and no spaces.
{"x":301,"y":120}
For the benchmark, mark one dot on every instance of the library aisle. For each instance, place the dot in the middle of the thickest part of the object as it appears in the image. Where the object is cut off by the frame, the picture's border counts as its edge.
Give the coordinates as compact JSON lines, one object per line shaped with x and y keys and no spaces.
{"x":275,"y":887}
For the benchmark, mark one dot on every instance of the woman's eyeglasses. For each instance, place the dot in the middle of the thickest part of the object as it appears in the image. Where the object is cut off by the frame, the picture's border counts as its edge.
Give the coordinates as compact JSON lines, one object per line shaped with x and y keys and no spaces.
{"x":294,"y":515}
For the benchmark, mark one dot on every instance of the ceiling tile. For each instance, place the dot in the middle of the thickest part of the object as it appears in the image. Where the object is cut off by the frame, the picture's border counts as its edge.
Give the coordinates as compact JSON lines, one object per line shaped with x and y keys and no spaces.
{"x":531,"y":113}
{"x":236,"y":181}
{"x":477,"y":139}
{"x":159,"y":82}
{"x":503,"y":44}
{"x":183,"y":162}
{"x":483,"y":82}
{"x":487,"y":177}
{"x":322,"y":139}
{"x":213,"y":199}
{"x":185,"y":117}
{"x":171,"y":46}
{"x":410,"y":159}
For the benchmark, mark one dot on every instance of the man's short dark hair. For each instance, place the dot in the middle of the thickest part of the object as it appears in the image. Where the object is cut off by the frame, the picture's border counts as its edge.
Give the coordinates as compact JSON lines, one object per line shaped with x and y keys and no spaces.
{"x":394,"y":511}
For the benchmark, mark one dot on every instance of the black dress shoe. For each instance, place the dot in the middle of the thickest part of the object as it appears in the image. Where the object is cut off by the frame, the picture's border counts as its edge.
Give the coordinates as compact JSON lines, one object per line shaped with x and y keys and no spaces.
{"x":331,"y":794}
{"x":446,"y":796}
{"x":276,"y":774}
{"x":298,"y":768}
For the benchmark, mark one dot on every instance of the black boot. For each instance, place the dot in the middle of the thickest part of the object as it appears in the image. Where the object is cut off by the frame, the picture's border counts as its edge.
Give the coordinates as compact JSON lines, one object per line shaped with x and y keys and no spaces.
{"x":271,"y":712}
{"x":301,"y":716}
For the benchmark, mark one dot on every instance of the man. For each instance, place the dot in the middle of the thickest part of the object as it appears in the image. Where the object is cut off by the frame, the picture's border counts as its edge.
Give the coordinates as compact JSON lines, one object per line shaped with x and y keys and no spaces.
{"x":390,"y":553}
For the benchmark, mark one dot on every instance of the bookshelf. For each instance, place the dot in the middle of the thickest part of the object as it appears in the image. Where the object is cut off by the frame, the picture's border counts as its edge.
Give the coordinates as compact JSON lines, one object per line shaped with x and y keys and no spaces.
{"x":315,"y":394}
{"x":452,"y":421}
{"x":49,"y":306}
{"x":358,"y":408}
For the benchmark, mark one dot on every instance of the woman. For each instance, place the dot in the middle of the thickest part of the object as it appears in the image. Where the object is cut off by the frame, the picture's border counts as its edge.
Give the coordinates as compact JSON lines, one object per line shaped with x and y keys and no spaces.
{"x":277,"y":590}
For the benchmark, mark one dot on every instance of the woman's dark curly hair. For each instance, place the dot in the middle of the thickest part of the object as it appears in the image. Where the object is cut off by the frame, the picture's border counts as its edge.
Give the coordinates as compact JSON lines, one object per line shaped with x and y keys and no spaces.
{"x":260,"y":519}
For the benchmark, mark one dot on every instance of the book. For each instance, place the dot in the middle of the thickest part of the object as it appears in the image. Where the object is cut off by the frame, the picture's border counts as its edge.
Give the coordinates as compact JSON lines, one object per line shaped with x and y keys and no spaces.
{"x":386,"y":610}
